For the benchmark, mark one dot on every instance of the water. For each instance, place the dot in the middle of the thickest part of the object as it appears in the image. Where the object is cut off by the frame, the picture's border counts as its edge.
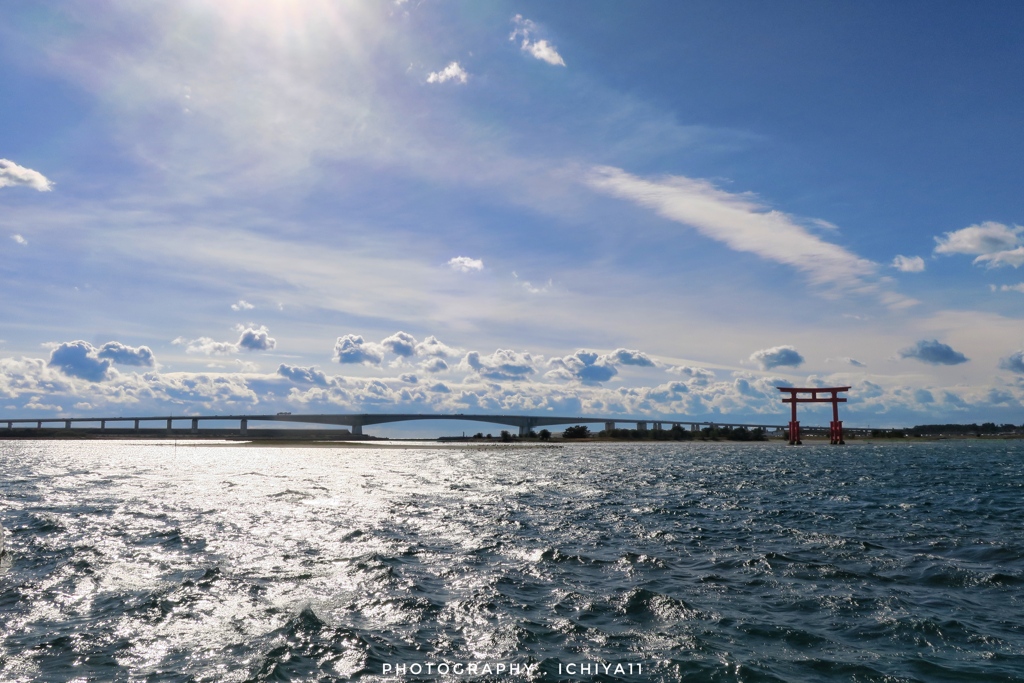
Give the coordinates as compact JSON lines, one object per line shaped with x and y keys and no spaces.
{"x":696,"y":562}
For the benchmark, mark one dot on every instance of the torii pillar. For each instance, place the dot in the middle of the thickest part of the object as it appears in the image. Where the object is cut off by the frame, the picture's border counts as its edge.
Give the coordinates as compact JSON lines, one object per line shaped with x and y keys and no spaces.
{"x":835,"y":427}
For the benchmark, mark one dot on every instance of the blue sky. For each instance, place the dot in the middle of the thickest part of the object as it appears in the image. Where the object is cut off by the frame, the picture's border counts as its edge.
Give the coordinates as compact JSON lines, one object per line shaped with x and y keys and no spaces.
{"x":638,"y":209}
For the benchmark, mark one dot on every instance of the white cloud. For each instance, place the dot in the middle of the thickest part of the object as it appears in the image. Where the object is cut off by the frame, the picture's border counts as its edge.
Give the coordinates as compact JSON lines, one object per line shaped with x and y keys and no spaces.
{"x":20,"y":240}
{"x":352,"y":348}
{"x":1011,"y":257}
{"x":530,"y":287}
{"x":79,"y":359}
{"x":777,"y":356}
{"x":545,"y":51}
{"x":452,"y":72}
{"x":745,"y":224}
{"x":11,"y":175}
{"x":123,"y":354}
{"x":206,"y":346}
{"x":933,"y":352}
{"x":434,"y":365}
{"x":251,"y":338}
{"x":986,"y":238}
{"x":540,"y":49}
{"x":432,"y":346}
{"x":401,"y":344}
{"x":308,"y":375}
{"x":1014,"y":362}
{"x":908,"y":264}
{"x":503,"y":364}
{"x":465,"y":264}
{"x":630,"y":357}
{"x":242,"y":305}
{"x":700,"y":376}
{"x":1019,"y":287}
{"x":583,"y":366}
{"x":256,"y":338}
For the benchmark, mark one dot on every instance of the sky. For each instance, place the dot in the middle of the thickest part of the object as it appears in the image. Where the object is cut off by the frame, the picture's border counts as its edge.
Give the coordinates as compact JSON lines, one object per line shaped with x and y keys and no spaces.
{"x":644,"y":209}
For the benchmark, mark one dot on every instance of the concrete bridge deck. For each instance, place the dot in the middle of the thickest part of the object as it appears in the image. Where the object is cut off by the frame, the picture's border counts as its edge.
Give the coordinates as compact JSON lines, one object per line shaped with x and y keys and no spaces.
{"x":355,"y":422}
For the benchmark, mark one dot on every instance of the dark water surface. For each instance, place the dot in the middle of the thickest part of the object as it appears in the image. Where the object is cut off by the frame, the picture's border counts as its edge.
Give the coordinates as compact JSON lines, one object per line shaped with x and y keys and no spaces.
{"x":696,"y":562}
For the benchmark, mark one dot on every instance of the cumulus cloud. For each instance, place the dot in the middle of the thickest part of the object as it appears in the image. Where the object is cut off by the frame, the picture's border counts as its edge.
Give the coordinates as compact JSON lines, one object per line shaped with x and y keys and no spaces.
{"x":776,"y":357}
{"x":1014,"y":362}
{"x":539,"y":49}
{"x":908,"y":264}
{"x":11,"y":175}
{"x":700,"y":376}
{"x":743,"y":223}
{"x":586,"y":367}
{"x":301,"y":375}
{"x":256,"y":339}
{"x":933,"y":352}
{"x":18,"y":239}
{"x":993,"y":244}
{"x":401,"y":344}
{"x":206,"y":346}
{"x":79,"y":359}
{"x":465,"y":264}
{"x":985,"y":238}
{"x":434,"y":365}
{"x":122,"y":354}
{"x":432,"y":347}
{"x":503,"y":364}
{"x":351,"y":348}
{"x":631,"y":357}
{"x":242,"y":305}
{"x":452,"y":72}
{"x":251,"y":338}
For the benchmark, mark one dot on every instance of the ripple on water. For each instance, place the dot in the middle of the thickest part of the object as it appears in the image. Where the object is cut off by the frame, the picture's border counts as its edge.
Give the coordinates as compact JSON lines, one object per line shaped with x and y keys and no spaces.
{"x":705,"y":562}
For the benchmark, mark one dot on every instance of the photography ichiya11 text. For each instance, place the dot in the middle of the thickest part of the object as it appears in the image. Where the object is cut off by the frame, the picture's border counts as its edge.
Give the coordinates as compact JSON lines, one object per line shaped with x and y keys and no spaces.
{"x":592,"y":668}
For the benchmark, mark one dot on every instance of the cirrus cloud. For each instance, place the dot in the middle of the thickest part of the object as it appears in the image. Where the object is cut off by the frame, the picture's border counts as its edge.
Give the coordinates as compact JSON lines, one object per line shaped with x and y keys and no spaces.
{"x":745,"y":224}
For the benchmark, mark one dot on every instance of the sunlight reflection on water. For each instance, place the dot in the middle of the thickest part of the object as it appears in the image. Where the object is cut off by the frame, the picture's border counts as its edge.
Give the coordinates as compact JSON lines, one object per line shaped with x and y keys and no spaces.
{"x":199,"y":561}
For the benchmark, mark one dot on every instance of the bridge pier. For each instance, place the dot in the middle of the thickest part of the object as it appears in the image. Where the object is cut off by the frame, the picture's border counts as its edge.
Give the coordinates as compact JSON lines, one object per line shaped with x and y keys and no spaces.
{"x":243,"y":426}
{"x":136,"y":425}
{"x":609,"y":426}
{"x":357,"y":430}
{"x":103,"y":424}
{"x":195,"y":425}
{"x":657,"y":426}
{"x":641,"y":426}
{"x":168,"y":424}
{"x":39,"y":425}
{"x":67,"y":424}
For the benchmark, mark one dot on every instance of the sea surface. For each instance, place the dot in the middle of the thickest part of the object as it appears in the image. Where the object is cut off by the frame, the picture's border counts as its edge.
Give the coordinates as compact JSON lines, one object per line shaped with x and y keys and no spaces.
{"x":163,"y":561}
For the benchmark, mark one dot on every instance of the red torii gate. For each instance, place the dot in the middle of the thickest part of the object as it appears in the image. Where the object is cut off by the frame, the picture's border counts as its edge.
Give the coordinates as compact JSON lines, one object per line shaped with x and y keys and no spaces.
{"x":835,"y":428}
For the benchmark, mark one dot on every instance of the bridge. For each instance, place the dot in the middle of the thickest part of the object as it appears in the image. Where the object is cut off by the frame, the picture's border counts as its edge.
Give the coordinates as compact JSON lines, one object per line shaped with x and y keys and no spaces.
{"x":355,"y":422}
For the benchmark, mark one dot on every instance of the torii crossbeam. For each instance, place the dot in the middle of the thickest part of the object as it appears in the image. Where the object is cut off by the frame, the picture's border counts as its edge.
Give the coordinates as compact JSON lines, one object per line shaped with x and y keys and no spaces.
{"x":835,"y":428}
